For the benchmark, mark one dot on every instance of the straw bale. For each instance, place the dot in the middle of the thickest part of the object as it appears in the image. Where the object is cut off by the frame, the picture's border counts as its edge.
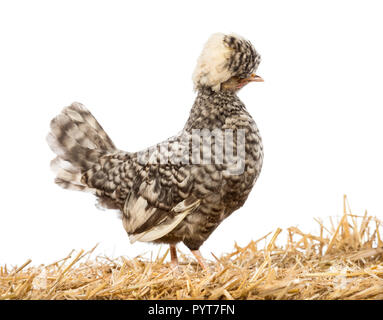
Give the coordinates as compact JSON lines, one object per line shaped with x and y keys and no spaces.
{"x":343,"y":261}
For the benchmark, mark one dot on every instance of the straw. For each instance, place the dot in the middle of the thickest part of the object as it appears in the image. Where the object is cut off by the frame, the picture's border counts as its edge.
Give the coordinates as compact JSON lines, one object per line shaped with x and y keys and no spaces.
{"x":344,"y":260}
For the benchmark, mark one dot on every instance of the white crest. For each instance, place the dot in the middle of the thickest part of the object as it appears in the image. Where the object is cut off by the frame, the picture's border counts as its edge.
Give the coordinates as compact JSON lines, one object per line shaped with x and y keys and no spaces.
{"x":211,"y":67}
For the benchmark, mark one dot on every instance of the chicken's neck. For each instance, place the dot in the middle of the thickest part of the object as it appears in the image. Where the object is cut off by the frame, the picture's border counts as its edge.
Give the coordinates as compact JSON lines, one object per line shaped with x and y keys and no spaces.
{"x":211,"y":109}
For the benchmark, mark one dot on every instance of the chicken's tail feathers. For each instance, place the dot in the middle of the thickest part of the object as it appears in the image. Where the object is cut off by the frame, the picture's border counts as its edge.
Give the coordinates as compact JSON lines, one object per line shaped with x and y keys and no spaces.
{"x":78,"y":141}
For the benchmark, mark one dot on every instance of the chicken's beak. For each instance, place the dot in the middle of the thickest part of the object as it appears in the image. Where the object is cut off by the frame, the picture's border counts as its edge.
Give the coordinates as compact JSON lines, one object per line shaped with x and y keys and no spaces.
{"x":254,"y":77}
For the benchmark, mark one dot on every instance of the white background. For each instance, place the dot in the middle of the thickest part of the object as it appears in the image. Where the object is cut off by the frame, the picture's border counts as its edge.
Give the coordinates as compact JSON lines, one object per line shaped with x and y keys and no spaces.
{"x":319,"y":110}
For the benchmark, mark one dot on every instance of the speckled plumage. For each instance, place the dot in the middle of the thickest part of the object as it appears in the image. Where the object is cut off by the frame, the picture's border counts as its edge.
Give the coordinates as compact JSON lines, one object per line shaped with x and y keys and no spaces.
{"x":162,"y":193}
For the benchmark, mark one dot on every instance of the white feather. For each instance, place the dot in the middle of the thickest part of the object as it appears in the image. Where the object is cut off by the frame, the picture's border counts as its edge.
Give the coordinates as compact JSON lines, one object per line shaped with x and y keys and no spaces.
{"x":211,"y":65}
{"x":137,"y":209}
{"x":167,"y":225}
{"x":158,"y":231}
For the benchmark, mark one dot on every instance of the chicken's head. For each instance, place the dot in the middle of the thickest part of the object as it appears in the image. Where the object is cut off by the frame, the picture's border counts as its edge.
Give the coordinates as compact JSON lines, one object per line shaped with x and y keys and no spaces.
{"x":227,"y":62}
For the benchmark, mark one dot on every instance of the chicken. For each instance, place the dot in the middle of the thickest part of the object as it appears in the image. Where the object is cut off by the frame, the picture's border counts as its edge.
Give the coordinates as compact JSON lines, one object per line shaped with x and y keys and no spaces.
{"x":181,"y":189}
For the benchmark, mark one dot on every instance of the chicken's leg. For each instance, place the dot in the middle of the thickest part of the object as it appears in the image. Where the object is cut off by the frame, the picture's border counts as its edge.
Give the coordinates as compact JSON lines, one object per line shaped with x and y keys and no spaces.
{"x":200,"y":259}
{"x":173,"y":255}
